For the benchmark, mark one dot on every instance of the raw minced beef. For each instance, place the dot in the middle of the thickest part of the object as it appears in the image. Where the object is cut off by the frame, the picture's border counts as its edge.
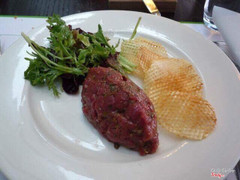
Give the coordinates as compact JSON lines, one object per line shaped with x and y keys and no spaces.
{"x":120,"y":110}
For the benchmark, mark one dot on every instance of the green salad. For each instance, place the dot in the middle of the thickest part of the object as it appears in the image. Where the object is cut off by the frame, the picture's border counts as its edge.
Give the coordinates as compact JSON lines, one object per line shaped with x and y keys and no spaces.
{"x":70,"y":54}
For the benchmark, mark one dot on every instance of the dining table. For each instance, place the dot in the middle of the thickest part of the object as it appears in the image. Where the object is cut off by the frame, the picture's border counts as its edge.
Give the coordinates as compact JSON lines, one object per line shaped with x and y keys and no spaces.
{"x":22,"y":16}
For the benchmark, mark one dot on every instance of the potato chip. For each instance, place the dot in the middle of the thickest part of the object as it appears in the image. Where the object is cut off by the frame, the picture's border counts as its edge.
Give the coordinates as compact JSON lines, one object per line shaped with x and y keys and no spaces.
{"x":137,"y":51}
{"x":172,"y":75}
{"x":174,"y":88}
{"x":155,"y":47}
{"x":130,"y":50}
{"x":146,"y":58}
{"x":185,"y":115}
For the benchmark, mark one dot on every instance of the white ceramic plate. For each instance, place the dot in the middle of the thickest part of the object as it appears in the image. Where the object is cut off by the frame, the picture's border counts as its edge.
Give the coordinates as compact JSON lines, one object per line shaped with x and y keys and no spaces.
{"x":43,"y":137}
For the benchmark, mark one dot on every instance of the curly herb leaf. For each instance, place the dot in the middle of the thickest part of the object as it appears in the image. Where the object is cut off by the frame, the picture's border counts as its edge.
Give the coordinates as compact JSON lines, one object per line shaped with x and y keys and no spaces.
{"x":39,"y":73}
{"x":135,"y":29}
{"x":61,"y":37}
{"x":126,"y":65}
{"x":70,"y":52}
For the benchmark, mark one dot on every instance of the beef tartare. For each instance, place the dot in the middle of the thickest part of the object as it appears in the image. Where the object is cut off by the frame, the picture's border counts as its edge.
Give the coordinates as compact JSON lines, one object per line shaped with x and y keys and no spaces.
{"x":120,"y":110}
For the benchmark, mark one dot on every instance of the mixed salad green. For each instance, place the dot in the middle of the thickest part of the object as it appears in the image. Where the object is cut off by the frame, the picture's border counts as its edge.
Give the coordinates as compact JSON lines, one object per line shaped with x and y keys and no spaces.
{"x":70,"y":55}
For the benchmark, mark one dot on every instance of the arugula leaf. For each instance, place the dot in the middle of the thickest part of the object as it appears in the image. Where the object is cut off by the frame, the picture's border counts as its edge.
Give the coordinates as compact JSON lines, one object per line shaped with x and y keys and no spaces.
{"x":100,"y":37}
{"x":84,"y":39}
{"x":39,"y":73}
{"x":126,"y":65}
{"x":61,"y":37}
{"x":70,"y":52}
{"x":42,"y":53}
{"x":135,"y":29}
{"x":42,"y":70}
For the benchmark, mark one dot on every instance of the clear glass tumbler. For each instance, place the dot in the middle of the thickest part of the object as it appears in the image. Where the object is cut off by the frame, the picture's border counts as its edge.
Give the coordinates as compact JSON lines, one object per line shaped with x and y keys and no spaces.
{"x":208,"y":8}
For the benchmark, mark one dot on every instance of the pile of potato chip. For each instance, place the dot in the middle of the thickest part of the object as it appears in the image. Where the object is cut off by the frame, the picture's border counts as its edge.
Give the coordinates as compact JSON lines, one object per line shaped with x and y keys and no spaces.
{"x":174,"y":87}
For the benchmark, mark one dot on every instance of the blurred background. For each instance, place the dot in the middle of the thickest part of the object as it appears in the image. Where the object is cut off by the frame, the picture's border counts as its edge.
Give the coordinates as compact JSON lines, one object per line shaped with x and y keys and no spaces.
{"x":180,"y":10}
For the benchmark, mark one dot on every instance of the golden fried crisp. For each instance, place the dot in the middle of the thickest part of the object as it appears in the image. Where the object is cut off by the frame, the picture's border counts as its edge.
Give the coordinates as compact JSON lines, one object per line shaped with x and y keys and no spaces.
{"x":155,"y":47}
{"x":142,"y":52}
{"x":172,"y":75}
{"x":174,"y":87}
{"x":186,"y":115}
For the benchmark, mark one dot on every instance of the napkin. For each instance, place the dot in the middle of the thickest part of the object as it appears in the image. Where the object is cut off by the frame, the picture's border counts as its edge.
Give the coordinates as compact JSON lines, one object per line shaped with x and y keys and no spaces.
{"x":228,"y":24}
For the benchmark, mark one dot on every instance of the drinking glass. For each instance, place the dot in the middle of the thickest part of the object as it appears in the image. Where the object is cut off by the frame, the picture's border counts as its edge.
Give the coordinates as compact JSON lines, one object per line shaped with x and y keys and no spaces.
{"x":208,"y":8}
